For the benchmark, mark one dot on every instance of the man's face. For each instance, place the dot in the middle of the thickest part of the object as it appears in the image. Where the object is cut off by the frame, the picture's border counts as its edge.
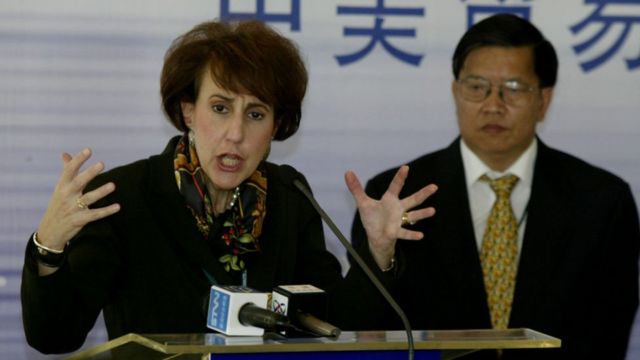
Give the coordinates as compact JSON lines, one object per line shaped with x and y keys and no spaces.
{"x":501,"y":126}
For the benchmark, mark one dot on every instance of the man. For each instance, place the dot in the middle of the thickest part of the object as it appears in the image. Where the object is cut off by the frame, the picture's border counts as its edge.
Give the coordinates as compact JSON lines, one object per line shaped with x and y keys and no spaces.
{"x":553,"y":248}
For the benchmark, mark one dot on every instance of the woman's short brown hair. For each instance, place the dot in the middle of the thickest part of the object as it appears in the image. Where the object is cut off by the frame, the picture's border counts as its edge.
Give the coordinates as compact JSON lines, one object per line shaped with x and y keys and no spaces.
{"x":243,"y":57}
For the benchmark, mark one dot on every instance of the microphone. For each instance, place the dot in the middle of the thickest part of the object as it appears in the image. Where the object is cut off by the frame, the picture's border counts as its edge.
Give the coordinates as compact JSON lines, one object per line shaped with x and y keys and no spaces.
{"x":237,"y":310}
{"x":306,"y":306}
{"x":358,"y":259}
{"x":251,"y":314}
{"x":315,"y":325}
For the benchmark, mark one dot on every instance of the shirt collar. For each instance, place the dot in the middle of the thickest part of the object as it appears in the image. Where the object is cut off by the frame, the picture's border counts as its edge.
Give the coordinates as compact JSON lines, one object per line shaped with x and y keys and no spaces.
{"x":474,"y":168}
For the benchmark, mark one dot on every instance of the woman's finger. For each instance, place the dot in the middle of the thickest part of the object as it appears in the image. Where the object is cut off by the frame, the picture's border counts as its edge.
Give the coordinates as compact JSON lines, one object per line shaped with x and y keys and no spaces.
{"x":419,"y":196}
{"x":355,"y":187}
{"x":66,"y":157}
{"x":84,"y":177}
{"x":100,"y":213}
{"x":414,"y":216}
{"x":91,"y":197}
{"x":398,"y":181}
{"x":72,"y":164}
{"x":405,"y":234}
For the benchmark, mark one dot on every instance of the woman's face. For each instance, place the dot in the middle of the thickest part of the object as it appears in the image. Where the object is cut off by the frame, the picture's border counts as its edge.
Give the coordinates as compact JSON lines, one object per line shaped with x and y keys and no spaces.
{"x":232,"y":131}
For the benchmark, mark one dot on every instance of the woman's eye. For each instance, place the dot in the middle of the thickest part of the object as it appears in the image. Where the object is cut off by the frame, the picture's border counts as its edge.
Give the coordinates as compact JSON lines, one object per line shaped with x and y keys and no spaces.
{"x":256,"y":115}
{"x":219,"y":109}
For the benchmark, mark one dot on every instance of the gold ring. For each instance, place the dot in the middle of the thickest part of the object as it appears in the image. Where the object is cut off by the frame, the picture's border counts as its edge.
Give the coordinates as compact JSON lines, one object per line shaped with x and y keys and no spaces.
{"x":406,"y":221}
{"x":81,"y":204}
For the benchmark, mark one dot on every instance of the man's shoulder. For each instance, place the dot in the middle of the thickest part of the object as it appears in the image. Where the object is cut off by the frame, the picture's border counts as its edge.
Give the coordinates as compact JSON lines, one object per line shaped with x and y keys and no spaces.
{"x":428,"y":162}
{"x":431,"y":167}
{"x":576,"y":170}
{"x":569,"y":165}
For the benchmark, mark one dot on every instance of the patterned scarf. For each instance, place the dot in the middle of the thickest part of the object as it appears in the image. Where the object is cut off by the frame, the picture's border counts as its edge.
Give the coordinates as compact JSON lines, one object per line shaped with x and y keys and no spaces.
{"x":242,"y":224}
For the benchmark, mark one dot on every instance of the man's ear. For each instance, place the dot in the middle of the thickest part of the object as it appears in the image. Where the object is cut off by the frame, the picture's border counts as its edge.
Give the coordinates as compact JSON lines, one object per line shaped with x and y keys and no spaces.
{"x":187,"y":112}
{"x":546,"y":95}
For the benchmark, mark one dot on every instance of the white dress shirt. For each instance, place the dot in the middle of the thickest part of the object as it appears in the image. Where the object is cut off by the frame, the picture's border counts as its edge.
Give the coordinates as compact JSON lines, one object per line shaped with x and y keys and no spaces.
{"x":482,"y":197}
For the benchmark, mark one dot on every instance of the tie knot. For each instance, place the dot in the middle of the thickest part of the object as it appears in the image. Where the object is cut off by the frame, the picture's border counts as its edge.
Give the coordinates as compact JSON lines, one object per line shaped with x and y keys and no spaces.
{"x":501,"y":185}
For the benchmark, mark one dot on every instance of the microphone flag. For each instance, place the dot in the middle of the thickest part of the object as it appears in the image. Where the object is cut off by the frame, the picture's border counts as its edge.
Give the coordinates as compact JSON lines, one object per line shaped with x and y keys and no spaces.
{"x":225,"y":303}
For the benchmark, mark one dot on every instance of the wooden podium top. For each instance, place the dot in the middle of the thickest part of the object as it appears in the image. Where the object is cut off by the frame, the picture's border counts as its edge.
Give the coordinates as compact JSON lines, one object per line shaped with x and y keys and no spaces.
{"x":214,"y":343}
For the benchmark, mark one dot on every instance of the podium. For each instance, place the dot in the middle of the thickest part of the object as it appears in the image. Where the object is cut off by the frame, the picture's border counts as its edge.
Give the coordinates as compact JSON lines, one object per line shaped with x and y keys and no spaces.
{"x":431,"y":345}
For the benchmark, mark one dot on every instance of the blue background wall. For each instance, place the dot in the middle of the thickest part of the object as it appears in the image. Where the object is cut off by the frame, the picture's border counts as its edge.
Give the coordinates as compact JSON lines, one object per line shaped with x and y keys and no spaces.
{"x":85,"y":73}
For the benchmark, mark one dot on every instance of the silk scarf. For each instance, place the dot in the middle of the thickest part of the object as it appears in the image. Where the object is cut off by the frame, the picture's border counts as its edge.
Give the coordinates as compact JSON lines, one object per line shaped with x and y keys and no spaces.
{"x":241,"y":224}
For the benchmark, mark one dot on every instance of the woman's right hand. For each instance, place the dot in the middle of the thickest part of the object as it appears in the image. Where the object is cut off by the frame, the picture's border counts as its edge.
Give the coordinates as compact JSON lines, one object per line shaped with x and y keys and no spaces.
{"x":68,"y":209}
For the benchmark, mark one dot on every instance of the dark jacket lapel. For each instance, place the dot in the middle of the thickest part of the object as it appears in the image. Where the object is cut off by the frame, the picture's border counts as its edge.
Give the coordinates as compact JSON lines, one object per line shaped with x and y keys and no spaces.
{"x":544,"y":239}
{"x":449,"y":245}
{"x":453,"y":222}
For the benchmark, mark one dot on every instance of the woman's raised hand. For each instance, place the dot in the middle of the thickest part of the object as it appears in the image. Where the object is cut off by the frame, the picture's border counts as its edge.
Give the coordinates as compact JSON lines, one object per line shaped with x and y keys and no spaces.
{"x":384,"y":219}
{"x":68,"y":209}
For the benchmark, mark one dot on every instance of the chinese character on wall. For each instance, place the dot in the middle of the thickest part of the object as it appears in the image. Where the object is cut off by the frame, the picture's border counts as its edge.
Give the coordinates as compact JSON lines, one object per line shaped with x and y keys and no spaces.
{"x":606,"y":22}
{"x":378,"y":33}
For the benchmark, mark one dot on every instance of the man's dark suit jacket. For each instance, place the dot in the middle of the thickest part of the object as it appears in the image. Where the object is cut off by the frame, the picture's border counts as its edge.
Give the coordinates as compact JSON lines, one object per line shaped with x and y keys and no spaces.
{"x":578,"y":272}
{"x":144,"y":265}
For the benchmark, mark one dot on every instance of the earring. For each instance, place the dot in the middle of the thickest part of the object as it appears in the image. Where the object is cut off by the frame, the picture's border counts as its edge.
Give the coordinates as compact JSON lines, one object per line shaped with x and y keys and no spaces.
{"x":192,"y":138}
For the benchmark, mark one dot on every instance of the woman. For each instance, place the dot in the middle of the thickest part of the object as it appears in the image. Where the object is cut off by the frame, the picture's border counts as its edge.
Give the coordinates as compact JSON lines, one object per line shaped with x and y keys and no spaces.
{"x":144,"y":242}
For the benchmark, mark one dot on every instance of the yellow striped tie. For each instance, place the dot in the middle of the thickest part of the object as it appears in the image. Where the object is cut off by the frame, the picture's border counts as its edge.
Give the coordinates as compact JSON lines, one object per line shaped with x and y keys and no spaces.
{"x":499,"y":251}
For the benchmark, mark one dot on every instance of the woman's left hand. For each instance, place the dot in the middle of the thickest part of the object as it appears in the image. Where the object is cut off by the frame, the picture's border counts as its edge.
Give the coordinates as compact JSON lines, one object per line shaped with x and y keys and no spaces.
{"x":383,"y":219}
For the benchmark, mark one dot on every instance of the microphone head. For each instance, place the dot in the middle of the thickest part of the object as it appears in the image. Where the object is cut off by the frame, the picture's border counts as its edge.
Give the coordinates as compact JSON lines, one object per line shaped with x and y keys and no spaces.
{"x":251,"y":314}
{"x":225,"y":303}
{"x":293,"y":300}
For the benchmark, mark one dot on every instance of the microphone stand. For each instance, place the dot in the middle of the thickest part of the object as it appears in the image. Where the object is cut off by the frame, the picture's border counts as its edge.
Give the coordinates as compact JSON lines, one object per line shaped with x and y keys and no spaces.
{"x":298,"y":184}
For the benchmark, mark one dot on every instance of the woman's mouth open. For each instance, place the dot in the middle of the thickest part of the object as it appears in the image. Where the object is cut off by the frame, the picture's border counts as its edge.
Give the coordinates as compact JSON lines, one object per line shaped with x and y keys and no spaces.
{"x":229,"y":162}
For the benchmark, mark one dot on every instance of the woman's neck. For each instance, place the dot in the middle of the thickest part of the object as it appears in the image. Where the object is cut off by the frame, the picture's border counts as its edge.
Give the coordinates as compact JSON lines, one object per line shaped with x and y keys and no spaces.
{"x":220,"y":199}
